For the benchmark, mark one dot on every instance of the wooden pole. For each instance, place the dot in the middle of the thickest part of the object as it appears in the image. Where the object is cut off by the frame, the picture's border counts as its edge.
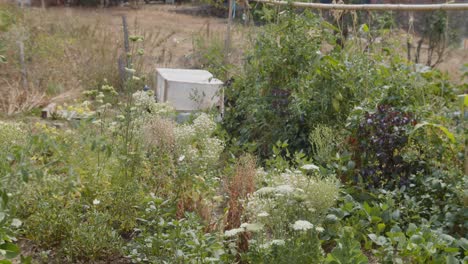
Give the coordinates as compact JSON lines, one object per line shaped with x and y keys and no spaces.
{"x":23,"y":65}
{"x":371,"y":7}
{"x":227,"y":43}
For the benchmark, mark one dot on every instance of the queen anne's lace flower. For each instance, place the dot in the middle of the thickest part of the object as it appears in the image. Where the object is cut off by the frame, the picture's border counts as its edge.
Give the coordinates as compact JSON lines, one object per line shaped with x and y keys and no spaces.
{"x":285,"y":189}
{"x":310,"y":167}
{"x":233,"y":232}
{"x":252,"y":227}
{"x":265,"y":190}
{"x":263,"y":214}
{"x":278,"y":242}
{"x":302,"y":225}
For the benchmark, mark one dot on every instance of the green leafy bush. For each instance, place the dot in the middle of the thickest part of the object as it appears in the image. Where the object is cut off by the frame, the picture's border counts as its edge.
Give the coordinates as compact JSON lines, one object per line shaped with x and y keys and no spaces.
{"x":347,"y":250}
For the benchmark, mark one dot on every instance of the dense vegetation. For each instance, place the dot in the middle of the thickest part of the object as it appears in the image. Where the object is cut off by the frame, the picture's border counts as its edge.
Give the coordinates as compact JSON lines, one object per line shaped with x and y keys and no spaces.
{"x":326,"y":154}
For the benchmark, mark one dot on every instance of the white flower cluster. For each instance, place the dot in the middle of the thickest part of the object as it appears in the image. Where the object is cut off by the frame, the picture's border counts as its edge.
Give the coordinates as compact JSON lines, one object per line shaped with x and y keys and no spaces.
{"x":194,"y":141}
{"x":302,"y":225}
{"x":145,"y":101}
{"x":287,"y":195}
{"x":243,"y":228}
{"x":233,"y":232}
{"x":204,"y":124}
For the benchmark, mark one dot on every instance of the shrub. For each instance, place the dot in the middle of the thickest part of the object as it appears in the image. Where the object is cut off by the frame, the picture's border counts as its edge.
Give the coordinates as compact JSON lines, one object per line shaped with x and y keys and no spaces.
{"x":378,"y":144}
{"x":291,"y":84}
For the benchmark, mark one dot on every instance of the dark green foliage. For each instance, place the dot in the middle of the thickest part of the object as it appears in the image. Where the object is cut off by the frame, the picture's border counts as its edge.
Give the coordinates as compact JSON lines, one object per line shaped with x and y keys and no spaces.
{"x":287,"y":87}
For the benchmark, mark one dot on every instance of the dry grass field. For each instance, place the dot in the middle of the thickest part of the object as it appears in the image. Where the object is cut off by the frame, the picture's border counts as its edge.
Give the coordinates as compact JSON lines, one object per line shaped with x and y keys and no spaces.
{"x":71,"y":49}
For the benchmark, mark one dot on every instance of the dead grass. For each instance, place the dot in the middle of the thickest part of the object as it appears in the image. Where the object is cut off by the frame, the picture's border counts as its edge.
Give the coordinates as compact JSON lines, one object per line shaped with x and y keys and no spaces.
{"x":238,"y":188}
{"x":24,"y":99}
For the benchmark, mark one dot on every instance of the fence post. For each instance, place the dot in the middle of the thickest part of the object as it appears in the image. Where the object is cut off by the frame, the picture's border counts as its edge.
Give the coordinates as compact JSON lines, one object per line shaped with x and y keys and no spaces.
{"x":23,"y":64}
{"x":227,"y":44}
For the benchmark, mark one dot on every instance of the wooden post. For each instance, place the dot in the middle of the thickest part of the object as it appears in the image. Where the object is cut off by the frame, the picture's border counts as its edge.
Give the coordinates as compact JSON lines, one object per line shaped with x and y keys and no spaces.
{"x":227,"y":43}
{"x":124,"y":60}
{"x":43,"y":4}
{"x":23,"y":64}
{"x":125,"y":34}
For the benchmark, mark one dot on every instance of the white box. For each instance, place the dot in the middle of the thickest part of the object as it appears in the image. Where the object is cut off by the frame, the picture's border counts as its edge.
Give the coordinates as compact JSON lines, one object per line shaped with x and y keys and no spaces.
{"x":188,"y":90}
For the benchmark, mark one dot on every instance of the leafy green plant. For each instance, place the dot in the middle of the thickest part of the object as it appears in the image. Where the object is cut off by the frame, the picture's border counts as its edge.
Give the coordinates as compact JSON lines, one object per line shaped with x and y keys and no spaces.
{"x":418,"y":245}
{"x":163,"y":238}
{"x":347,"y":250}
{"x":8,"y":247}
{"x":302,"y":246}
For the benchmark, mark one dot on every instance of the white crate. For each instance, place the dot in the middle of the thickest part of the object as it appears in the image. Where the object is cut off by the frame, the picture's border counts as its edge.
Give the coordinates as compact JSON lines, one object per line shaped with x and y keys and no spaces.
{"x":188,"y":90}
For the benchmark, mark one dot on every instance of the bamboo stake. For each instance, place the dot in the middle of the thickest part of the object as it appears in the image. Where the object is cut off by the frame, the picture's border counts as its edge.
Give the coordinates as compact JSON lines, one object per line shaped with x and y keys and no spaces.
{"x":369,"y":7}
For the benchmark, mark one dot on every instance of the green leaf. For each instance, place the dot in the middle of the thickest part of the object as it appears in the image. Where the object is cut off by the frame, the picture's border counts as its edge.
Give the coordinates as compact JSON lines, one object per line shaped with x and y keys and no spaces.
{"x":417,"y":239}
{"x":447,"y":133}
{"x":381,"y":227}
{"x":452,"y":260}
{"x":365,"y":28}
{"x":11,"y":250}
{"x":451,"y":250}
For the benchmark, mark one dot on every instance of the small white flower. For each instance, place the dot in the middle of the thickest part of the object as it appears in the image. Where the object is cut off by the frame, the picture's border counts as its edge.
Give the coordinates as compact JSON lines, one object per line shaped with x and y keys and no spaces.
{"x":302,"y":225}
{"x":265,"y":190}
{"x":310,"y":167}
{"x":251,"y":227}
{"x":181,"y":158}
{"x":211,"y":259}
{"x":285,"y":189}
{"x":96,"y":202}
{"x":233,"y":232}
{"x":263,"y":214}
{"x":130,"y":70}
{"x":278,"y":242}
{"x":319,"y":229}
